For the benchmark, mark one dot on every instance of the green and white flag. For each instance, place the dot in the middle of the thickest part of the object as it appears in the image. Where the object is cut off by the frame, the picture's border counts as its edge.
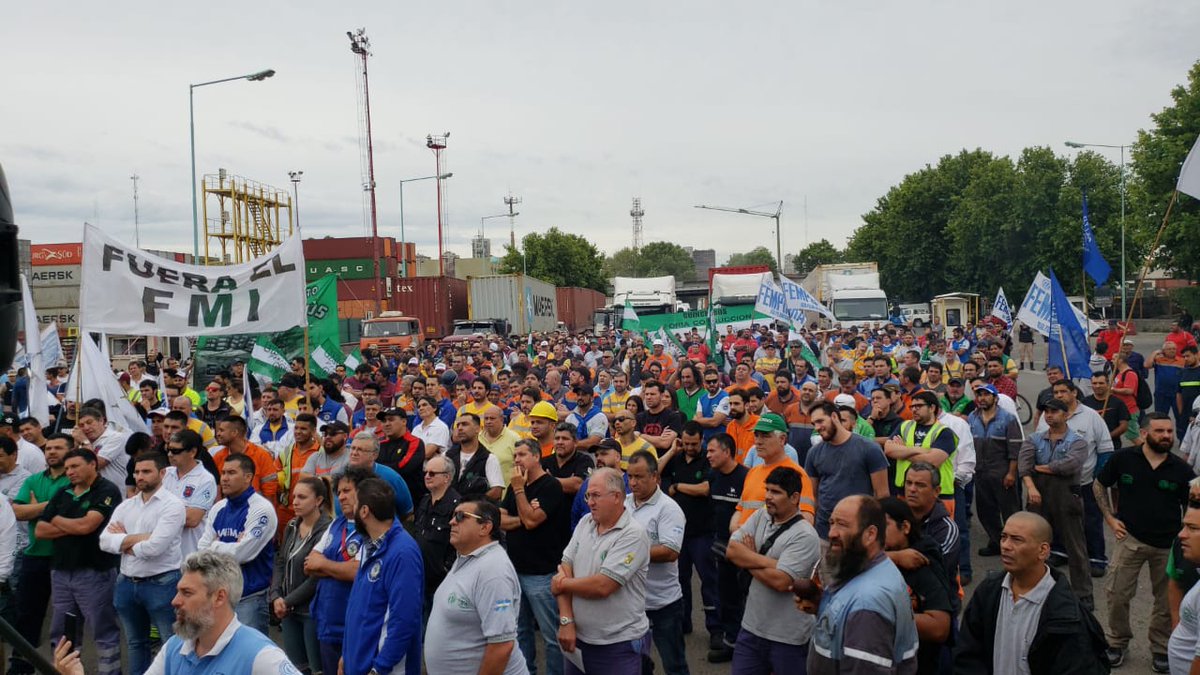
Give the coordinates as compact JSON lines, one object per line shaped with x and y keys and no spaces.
{"x":325,"y":358}
{"x":353,"y":360}
{"x":673,"y":346}
{"x":629,"y":319}
{"x":267,"y":360}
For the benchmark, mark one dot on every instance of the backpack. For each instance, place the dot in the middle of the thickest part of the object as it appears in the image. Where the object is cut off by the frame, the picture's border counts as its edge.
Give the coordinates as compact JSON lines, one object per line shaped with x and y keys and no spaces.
{"x":1145,"y":399}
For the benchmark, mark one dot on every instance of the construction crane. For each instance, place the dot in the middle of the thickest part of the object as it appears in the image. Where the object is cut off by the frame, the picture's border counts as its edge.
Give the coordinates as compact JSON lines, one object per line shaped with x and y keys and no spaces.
{"x":360,"y":45}
{"x":761,"y":214}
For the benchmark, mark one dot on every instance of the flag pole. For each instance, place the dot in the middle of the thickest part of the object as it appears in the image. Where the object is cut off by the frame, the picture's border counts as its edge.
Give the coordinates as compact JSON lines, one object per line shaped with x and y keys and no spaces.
{"x":307,"y":356}
{"x":1063,"y":346}
{"x":1149,"y":256}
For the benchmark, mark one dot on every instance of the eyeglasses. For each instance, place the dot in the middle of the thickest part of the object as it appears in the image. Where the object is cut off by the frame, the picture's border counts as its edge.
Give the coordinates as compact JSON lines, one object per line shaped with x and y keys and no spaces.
{"x":460,"y":516}
{"x":622,"y":419}
{"x":593,"y":496}
{"x":435,"y":473}
{"x":175,"y":451}
{"x":915,"y":405}
{"x":712,"y":382}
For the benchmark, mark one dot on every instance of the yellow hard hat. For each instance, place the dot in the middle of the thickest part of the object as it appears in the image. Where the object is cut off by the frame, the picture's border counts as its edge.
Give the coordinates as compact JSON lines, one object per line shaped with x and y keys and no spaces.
{"x":544,"y":409}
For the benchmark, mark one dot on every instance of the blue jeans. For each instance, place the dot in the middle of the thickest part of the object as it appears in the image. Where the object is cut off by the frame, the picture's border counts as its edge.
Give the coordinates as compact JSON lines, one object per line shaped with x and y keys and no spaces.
{"x":251,"y":610}
{"x":697,"y":553}
{"x":666,"y":626}
{"x":1093,"y":528}
{"x":141,"y":604}
{"x":300,"y":641}
{"x":963,"y":496}
{"x":754,"y":655}
{"x":538,"y":603}
{"x":331,"y":653}
{"x":90,"y":593}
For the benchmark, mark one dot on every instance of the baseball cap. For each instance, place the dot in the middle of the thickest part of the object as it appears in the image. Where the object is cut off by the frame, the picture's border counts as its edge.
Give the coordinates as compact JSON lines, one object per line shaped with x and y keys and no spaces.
{"x":608,"y":444}
{"x":413,"y":361}
{"x":440,"y":366}
{"x":336,"y":428}
{"x":1127,"y":341}
{"x":845,"y":401}
{"x":770,"y":422}
{"x":8,"y":421}
{"x":988,"y":388}
{"x":545,"y":410}
{"x":1055,"y":404}
{"x":955,"y":381}
{"x":160,"y":412}
{"x":389,"y":412}
{"x":659,"y":343}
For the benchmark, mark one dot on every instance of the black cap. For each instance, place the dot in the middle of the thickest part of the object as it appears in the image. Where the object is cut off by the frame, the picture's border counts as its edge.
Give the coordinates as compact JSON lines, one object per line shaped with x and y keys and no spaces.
{"x":337,"y":428}
{"x":608,"y":444}
{"x":1055,"y":404}
{"x":391,"y":412}
{"x":957,"y":381}
{"x":8,"y":421}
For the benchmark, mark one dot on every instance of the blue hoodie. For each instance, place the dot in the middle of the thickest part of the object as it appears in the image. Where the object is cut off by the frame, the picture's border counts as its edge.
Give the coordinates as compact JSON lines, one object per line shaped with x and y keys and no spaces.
{"x":329,"y":602}
{"x":386,"y":602}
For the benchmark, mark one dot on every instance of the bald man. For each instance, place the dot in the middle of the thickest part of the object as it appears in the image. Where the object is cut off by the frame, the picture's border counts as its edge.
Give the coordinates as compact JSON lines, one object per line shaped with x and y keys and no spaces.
{"x":1004,"y":621}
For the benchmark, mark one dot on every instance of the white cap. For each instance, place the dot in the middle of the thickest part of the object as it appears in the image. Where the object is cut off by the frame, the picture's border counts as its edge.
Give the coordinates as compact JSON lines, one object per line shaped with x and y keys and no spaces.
{"x":493,"y":346}
{"x":440,"y":366}
{"x":658,"y":343}
{"x":845,"y":400}
{"x":413,"y":361}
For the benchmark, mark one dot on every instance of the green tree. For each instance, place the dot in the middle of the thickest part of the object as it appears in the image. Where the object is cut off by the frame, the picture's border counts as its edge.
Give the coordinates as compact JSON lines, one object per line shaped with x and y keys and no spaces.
{"x":1158,"y":155}
{"x":817,"y":253}
{"x":557,"y":258}
{"x":758,"y":256}
{"x":656,"y":259}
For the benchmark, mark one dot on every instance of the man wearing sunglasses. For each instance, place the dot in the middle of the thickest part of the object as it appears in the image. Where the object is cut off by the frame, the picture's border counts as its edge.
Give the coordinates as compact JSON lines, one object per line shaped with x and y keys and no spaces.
{"x":187,"y":479}
{"x":432,"y":525}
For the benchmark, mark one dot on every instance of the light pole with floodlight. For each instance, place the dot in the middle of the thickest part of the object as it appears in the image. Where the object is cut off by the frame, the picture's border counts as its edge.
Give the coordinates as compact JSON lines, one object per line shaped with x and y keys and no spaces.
{"x":404,"y":258}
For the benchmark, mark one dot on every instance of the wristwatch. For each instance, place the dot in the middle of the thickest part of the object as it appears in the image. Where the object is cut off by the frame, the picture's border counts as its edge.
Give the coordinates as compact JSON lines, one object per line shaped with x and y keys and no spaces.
{"x":565,"y":621}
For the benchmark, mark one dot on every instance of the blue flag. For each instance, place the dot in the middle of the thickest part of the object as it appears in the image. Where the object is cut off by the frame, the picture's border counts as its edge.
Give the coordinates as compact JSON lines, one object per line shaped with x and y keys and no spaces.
{"x":1068,"y":341}
{"x":1093,"y":262}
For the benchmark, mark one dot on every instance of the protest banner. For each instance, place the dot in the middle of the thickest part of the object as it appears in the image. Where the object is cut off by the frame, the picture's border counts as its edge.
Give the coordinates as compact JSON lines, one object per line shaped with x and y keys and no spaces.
{"x":128,"y":291}
{"x":1036,"y":311}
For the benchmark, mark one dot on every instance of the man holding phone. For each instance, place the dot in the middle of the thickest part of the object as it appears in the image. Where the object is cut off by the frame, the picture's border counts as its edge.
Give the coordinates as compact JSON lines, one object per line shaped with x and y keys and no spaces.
{"x":81,"y":575}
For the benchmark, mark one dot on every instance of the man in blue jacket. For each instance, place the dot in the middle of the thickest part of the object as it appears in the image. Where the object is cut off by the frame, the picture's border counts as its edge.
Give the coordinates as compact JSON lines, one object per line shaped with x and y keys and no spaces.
{"x":386,"y":599}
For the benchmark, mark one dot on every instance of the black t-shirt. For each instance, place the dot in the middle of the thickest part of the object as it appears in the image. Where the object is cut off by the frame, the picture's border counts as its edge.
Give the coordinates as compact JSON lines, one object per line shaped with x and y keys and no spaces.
{"x":1150,"y":502}
{"x":1113,"y":413}
{"x":407,"y":456}
{"x":697,"y":510}
{"x":1025,"y":334}
{"x":929,"y":590}
{"x":725,"y":490}
{"x":539,"y":551}
{"x":580,"y":464}
{"x":76,"y":552}
{"x":653,"y":424}
{"x":432,"y":530}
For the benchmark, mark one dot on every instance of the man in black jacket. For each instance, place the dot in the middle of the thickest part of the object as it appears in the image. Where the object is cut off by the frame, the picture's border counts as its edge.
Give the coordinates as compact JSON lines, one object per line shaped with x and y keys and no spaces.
{"x":1067,"y":639}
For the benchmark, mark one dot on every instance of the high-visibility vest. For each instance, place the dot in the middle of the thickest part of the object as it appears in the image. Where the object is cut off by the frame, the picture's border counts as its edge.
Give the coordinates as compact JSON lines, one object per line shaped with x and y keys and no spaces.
{"x":908,"y":431}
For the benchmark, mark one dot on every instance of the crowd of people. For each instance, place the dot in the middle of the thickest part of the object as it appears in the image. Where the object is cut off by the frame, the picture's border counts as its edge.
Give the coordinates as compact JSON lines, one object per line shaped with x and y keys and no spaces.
{"x":463,"y":507}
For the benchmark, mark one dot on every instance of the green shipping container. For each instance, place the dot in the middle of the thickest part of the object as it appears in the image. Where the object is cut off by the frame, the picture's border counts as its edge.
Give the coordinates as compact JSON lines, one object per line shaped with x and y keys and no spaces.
{"x":346,"y":268}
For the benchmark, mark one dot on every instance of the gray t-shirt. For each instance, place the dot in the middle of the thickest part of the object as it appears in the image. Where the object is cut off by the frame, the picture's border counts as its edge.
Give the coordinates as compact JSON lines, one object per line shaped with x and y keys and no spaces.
{"x":842,"y":470}
{"x":770,"y":614}
{"x":664,"y":522}
{"x":321,"y":464}
{"x":476,"y":605}
{"x":623,"y":555}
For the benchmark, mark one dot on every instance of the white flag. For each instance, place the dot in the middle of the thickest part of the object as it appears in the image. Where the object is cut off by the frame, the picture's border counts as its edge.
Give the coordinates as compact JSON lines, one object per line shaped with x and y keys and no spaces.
{"x":1001,"y":309}
{"x":52,"y":351}
{"x":629,"y":319}
{"x":100,"y":382}
{"x":127,"y":291}
{"x":39,"y":407}
{"x":1189,"y":175}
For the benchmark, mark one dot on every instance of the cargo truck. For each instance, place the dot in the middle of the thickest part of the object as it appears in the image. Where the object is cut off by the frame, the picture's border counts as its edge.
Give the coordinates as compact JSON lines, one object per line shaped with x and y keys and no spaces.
{"x":851,"y":291}
{"x":648,"y":295}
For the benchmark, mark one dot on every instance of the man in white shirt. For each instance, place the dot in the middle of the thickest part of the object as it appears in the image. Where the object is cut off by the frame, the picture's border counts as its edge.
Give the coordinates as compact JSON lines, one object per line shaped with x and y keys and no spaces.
{"x":144,"y":531}
{"x":9,"y":529}
{"x":92,"y":432}
{"x":187,"y":479}
{"x":29,"y":455}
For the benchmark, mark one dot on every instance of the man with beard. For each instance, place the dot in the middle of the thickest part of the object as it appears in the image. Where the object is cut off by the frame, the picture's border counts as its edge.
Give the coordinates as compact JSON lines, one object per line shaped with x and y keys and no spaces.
{"x":997,"y":436}
{"x":658,"y":424}
{"x":1152,"y":488}
{"x":333,"y":457}
{"x":777,"y":547}
{"x":842,"y":464}
{"x":784,"y":398}
{"x":1049,"y":464}
{"x":741,"y":423}
{"x":865,"y":621}
{"x":925,"y":439}
{"x":145,"y":531}
{"x":208,"y":636}
{"x":478,"y":469}
{"x":387,"y":594}
{"x":1027,"y":620}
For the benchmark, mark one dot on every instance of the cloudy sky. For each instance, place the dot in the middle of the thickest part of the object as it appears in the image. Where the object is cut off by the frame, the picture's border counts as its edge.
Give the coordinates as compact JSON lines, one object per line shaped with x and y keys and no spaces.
{"x":575,"y":107}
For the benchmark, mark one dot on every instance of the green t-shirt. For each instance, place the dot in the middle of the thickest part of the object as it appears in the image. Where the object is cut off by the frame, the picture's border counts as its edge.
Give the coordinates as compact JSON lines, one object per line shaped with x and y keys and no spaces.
{"x":43,"y":486}
{"x":864,"y":428}
{"x":687,"y":404}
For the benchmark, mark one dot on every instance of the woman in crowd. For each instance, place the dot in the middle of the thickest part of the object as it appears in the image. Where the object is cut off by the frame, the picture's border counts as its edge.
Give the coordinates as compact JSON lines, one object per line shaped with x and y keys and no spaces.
{"x":291,"y":589}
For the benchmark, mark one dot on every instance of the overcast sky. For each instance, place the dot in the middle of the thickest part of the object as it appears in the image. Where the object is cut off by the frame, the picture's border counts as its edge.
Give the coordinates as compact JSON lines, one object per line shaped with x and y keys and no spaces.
{"x":575,"y":107}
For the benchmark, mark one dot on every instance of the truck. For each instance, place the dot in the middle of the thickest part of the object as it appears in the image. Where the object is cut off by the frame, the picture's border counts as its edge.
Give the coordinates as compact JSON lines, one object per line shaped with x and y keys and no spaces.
{"x":851,"y":291}
{"x":729,"y":286}
{"x":526,"y":303}
{"x":466,"y":330}
{"x":647,"y":295}
{"x":390,"y":330}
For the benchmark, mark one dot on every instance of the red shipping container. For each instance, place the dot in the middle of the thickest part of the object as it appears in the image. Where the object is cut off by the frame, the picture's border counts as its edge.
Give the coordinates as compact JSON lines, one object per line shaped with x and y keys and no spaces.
{"x":334,"y":248}
{"x":437,"y":301}
{"x":576,"y":305}
{"x":361,"y":289}
{"x":355,"y":309}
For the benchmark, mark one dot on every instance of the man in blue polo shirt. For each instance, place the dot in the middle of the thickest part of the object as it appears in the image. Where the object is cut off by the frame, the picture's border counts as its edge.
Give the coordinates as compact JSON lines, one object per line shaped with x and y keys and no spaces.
{"x":388,"y":593}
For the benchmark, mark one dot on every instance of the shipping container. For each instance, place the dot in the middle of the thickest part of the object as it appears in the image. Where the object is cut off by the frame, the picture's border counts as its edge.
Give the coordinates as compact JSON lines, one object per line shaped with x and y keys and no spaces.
{"x":355,"y":309}
{"x":350,"y":268}
{"x":437,"y":301}
{"x":56,"y":254}
{"x":525,"y":302}
{"x":67,"y":317}
{"x":54,"y":275}
{"x":577,"y":305}
{"x":55,"y":296}
{"x":364,"y":289}
{"x":340,"y":248}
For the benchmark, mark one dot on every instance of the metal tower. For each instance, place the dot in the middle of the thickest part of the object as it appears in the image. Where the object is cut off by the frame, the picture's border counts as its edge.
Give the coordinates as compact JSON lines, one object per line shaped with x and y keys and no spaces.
{"x":251,"y":217}
{"x":510,"y":201}
{"x":438,"y":145}
{"x":637,"y":214}
{"x":360,"y":45}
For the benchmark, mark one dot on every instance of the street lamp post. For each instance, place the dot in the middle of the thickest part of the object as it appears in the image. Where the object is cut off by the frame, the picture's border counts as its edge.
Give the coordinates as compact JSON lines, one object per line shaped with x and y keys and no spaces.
{"x":498,"y":215}
{"x":1072,"y":144}
{"x":403,"y":258}
{"x":762,"y":214}
{"x":295,"y":177}
{"x":252,"y":77}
